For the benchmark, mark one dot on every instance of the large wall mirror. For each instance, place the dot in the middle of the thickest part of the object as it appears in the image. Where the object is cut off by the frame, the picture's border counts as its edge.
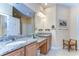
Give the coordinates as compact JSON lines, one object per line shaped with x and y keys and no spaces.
{"x":14,"y":22}
{"x":3,"y":25}
{"x":9,"y":25}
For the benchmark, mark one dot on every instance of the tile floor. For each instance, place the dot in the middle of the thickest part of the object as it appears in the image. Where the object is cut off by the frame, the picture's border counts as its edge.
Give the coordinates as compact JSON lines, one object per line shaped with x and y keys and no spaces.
{"x":61,"y":52}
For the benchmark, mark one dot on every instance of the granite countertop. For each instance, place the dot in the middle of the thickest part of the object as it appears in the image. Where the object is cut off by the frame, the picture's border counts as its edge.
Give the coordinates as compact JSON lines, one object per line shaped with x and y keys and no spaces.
{"x":44,"y":35}
{"x":40,"y":39}
{"x":6,"y":47}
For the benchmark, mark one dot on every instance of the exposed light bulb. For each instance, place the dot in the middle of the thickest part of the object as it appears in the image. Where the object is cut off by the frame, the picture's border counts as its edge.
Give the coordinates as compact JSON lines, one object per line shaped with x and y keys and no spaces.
{"x":44,"y":20}
{"x":45,"y":3}
{"x":41,"y":14}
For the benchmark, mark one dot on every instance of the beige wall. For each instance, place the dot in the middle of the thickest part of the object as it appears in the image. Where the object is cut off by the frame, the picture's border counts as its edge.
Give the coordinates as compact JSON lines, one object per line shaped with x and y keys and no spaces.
{"x":53,"y":14}
{"x":48,"y":21}
{"x":25,"y":22}
{"x":62,"y":13}
{"x":73,"y":24}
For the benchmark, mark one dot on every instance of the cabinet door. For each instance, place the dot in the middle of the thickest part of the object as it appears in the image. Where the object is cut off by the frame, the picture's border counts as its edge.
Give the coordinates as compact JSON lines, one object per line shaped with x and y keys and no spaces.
{"x":43,"y":48}
{"x":49,"y":43}
{"x":19,"y":52}
{"x":31,"y":49}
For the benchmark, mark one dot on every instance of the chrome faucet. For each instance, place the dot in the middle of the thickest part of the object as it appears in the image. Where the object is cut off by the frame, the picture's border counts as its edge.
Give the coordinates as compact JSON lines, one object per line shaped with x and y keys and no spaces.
{"x":13,"y":39}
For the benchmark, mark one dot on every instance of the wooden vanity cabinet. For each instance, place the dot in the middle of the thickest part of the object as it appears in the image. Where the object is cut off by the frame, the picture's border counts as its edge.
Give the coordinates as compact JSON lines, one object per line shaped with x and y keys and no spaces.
{"x":45,"y":45}
{"x":18,"y":52}
{"x":28,"y":50}
{"x":31,"y":49}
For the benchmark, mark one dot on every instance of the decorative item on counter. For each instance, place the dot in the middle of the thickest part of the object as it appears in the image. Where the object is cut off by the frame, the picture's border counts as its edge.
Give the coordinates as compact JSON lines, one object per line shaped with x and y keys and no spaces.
{"x":40,"y":29}
{"x":47,"y":29}
{"x":34,"y":35}
{"x":53,"y":26}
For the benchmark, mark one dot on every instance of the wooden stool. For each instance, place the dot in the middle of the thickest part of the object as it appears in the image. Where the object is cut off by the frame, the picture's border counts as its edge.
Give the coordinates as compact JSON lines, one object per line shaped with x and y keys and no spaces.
{"x":73,"y":43}
{"x":70,"y":43}
{"x":66,"y":43}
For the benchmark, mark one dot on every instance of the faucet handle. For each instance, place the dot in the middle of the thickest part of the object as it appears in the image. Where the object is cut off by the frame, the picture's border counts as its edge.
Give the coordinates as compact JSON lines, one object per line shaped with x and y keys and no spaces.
{"x":13,"y":39}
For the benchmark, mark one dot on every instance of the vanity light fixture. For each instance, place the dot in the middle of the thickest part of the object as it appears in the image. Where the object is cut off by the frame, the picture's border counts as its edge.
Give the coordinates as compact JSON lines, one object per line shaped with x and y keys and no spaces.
{"x":44,"y":20}
{"x":40,"y":14}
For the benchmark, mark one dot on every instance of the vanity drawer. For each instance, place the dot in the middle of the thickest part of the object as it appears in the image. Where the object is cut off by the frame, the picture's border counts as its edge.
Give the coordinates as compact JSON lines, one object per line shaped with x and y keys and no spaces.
{"x":42,"y":43}
{"x":31,"y":49}
{"x":18,"y":52}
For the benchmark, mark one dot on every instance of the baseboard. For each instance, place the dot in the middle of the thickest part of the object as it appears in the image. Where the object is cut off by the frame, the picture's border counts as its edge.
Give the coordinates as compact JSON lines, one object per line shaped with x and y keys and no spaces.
{"x":57,"y":48}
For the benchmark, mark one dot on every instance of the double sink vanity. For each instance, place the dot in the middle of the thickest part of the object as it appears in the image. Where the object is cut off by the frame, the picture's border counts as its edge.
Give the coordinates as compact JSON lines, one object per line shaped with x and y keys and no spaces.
{"x":26,"y":46}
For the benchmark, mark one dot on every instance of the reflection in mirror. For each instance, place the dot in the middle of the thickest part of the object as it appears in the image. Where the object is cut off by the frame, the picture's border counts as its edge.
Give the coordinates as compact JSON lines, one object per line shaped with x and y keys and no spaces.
{"x":13,"y":26}
{"x":3,"y":25}
{"x":14,"y":22}
{"x":5,"y":9}
{"x":9,"y":25}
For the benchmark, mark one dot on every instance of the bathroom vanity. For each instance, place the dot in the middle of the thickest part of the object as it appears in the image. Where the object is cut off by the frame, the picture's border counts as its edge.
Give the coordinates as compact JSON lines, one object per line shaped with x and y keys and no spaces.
{"x":30,"y":49}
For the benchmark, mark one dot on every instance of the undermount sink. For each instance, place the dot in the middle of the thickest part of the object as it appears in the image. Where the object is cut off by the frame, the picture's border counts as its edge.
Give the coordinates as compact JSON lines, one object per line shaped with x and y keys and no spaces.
{"x":15,"y":43}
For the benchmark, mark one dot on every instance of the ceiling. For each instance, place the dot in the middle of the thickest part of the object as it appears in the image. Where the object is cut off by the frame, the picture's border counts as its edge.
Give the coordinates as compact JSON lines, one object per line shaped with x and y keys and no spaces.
{"x":35,"y":6}
{"x":65,"y":4}
{"x":71,"y":4}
